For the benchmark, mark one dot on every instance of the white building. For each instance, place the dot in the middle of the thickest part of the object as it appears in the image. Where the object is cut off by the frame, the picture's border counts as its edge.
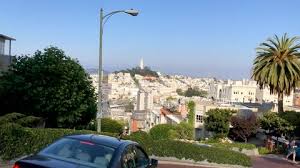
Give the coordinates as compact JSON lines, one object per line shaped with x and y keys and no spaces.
{"x":264,"y":96}
{"x":233,"y":91}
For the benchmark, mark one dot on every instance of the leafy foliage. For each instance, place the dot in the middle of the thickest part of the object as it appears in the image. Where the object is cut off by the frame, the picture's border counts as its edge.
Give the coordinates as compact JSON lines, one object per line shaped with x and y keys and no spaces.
{"x":243,"y":128}
{"x":50,"y":85}
{"x":182,"y":150}
{"x":191,"y":114}
{"x":184,"y":131}
{"x":21,"y":119}
{"x":275,"y":125}
{"x":18,"y":141}
{"x":161,"y":131}
{"x":143,"y":72}
{"x":107,"y":125}
{"x":293,"y":118}
{"x":217,"y":121}
{"x":190,"y":92}
{"x":277,"y":66}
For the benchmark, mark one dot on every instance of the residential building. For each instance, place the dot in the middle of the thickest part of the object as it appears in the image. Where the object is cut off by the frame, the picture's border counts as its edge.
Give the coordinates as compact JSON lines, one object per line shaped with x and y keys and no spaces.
{"x":264,"y":96}
{"x":233,"y":91}
{"x":6,"y":58}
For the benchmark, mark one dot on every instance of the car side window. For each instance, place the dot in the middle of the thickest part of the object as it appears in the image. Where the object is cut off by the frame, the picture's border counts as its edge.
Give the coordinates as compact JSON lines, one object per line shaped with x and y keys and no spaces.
{"x":127,"y":159}
{"x":134,"y":157}
{"x":141,"y":158}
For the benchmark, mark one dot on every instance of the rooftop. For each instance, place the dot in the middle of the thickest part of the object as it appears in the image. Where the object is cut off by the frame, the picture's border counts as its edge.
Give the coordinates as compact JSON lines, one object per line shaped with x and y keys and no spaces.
{"x":6,"y":37}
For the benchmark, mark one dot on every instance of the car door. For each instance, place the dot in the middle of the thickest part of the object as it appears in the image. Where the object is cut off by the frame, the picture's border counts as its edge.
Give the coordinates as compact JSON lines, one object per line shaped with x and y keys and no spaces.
{"x":134,"y":157}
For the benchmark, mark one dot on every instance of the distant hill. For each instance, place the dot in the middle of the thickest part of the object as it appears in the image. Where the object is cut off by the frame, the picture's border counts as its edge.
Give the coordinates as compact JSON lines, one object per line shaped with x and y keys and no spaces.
{"x":143,"y":72}
{"x":95,"y":71}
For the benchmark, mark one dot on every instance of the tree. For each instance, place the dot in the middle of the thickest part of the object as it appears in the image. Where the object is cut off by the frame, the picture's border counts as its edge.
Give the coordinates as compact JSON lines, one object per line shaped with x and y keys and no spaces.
{"x":244,"y":127}
{"x":129,"y":107}
{"x":293,"y":118}
{"x":217,"y":121}
{"x":191,"y":114}
{"x":277,"y":66}
{"x":275,"y":125}
{"x":179,"y":92}
{"x":190,"y":92}
{"x":50,"y":85}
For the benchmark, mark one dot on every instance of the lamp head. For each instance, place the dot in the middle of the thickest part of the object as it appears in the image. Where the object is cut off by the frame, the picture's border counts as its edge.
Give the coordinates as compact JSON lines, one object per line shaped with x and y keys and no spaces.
{"x":132,"y":12}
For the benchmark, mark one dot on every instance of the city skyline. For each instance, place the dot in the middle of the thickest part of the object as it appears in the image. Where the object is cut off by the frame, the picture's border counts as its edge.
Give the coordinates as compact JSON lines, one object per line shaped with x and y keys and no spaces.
{"x":207,"y":38}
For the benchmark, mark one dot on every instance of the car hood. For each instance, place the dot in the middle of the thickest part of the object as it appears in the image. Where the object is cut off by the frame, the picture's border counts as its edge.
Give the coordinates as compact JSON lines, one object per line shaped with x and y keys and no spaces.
{"x":41,"y":161}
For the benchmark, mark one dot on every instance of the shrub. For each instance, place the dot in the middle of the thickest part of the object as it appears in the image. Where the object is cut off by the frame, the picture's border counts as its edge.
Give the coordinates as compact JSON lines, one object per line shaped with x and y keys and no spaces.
{"x":294,"y":119}
{"x":161,"y":131}
{"x":17,"y":141}
{"x":217,"y":121}
{"x":180,"y":150}
{"x":183,"y":131}
{"x":143,"y":139}
{"x":263,"y":151}
{"x":21,"y":119}
{"x":107,"y":125}
{"x":11,"y":117}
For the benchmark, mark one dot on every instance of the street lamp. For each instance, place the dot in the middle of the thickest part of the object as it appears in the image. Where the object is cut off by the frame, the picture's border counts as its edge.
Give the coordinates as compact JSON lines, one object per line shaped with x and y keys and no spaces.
{"x":103,"y":20}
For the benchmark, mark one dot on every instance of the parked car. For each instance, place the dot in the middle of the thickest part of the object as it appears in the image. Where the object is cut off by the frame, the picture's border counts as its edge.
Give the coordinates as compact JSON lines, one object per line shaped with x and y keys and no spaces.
{"x":89,"y":151}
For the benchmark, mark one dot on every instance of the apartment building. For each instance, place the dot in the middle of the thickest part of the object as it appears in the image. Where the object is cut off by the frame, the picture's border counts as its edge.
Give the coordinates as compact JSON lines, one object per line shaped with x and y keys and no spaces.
{"x":6,"y":57}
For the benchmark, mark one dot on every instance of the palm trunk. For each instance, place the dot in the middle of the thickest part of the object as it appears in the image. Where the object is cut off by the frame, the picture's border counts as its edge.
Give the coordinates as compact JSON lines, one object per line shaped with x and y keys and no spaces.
{"x":280,"y":102}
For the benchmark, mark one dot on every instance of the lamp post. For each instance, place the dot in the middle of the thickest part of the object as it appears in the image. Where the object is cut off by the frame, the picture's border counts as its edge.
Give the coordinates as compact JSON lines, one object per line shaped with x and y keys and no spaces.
{"x":103,"y":20}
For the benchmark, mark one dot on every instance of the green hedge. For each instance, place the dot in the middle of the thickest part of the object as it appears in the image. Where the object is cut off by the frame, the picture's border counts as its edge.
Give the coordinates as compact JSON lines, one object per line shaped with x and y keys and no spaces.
{"x":107,"y":125}
{"x":238,"y":145}
{"x":180,"y":150}
{"x":17,"y":141}
{"x":161,"y":131}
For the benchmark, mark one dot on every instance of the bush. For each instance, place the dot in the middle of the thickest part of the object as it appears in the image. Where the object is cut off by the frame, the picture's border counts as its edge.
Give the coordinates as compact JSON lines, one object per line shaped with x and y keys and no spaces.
{"x":229,"y":146}
{"x":107,"y":125}
{"x":263,"y":151}
{"x":180,"y":150}
{"x":161,"y":131}
{"x":21,"y":119}
{"x":217,"y":121}
{"x":11,"y":117}
{"x":294,"y":119}
{"x":143,"y":139}
{"x":183,"y":131}
{"x":17,"y":141}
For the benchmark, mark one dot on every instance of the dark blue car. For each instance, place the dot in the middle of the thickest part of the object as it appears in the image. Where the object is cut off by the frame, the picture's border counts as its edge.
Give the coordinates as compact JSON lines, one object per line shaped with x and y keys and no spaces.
{"x":89,"y":151}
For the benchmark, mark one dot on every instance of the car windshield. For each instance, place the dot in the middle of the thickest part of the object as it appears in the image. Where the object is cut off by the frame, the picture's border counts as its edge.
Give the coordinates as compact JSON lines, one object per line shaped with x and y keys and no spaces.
{"x":80,"y":152}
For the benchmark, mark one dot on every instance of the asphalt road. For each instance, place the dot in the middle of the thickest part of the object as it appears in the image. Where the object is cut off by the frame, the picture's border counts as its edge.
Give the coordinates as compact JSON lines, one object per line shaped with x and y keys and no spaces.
{"x":177,"y":166}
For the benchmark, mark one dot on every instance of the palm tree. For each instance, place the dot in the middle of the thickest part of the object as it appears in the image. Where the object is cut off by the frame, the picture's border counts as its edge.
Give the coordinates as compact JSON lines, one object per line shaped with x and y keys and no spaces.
{"x":277,"y":66}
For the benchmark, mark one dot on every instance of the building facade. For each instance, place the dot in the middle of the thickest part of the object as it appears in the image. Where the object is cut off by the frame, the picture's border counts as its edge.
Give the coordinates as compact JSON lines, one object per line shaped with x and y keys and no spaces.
{"x":6,"y":58}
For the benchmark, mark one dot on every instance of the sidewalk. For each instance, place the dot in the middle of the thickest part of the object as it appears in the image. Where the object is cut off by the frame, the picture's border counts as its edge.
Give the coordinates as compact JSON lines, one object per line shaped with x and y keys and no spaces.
{"x":273,"y":161}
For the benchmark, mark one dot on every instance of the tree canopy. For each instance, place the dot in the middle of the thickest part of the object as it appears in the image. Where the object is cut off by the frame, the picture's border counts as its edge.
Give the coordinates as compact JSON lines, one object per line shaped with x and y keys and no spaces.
{"x":277,"y":66}
{"x":275,"y":125}
{"x":190,"y":92}
{"x":243,"y":127}
{"x":143,"y":72}
{"x":218,"y":121}
{"x":50,"y":85}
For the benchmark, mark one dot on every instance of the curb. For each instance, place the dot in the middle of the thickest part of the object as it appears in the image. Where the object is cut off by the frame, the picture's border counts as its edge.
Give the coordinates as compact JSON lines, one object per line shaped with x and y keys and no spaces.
{"x":184,"y":162}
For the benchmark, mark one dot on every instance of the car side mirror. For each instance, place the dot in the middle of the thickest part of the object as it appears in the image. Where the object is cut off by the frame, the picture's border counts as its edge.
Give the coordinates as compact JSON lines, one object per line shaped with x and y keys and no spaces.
{"x":153,"y":163}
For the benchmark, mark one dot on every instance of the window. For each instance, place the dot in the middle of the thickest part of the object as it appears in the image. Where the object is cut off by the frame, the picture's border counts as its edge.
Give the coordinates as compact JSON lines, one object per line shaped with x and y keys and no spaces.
{"x":81,"y":152}
{"x":199,"y":118}
{"x":134,"y":157}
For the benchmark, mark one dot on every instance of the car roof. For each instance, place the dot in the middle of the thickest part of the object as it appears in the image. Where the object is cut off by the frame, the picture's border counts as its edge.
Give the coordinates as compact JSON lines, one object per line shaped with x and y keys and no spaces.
{"x":101,"y":140}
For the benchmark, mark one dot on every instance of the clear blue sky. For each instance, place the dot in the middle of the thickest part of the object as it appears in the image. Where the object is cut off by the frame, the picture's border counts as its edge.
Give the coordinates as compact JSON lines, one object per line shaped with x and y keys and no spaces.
{"x":193,"y":37}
